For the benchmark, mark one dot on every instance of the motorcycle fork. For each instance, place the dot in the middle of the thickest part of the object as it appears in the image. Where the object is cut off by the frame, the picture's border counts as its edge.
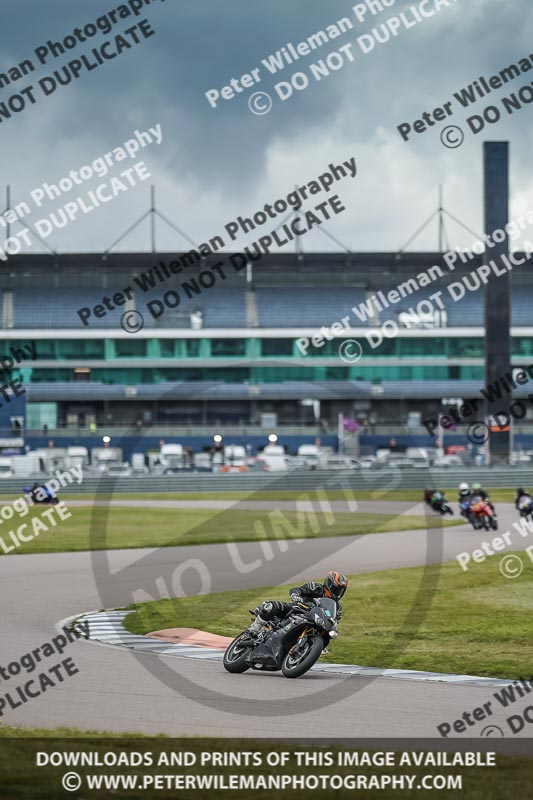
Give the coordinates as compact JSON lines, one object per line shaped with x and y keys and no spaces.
{"x":299,"y":642}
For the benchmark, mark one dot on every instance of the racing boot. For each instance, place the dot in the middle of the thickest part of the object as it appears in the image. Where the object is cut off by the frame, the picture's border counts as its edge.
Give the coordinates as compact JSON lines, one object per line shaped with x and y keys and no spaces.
{"x":260,"y":623}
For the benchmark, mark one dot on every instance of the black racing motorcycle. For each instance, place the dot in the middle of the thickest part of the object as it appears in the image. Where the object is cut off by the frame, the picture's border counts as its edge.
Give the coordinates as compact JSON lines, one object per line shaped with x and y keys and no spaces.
{"x":438,"y":503}
{"x":443,"y":507}
{"x":291,"y":645}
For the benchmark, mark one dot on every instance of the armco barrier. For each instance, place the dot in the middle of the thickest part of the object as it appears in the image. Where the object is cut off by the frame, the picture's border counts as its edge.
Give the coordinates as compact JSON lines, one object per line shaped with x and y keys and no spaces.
{"x":293,"y":481}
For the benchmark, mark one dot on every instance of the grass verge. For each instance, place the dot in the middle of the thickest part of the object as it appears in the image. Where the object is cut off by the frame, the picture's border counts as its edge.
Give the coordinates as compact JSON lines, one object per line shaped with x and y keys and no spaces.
{"x":406,"y":495}
{"x":15,"y":732}
{"x":436,"y":618}
{"x":117,"y":527}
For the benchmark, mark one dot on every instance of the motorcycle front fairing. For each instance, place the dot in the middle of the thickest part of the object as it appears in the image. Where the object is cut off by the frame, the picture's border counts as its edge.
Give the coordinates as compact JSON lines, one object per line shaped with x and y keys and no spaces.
{"x":270,"y":652}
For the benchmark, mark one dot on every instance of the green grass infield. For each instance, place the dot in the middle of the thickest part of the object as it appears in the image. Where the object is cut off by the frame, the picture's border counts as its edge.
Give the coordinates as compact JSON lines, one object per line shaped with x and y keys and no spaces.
{"x":436,"y":618}
{"x":117,"y":527}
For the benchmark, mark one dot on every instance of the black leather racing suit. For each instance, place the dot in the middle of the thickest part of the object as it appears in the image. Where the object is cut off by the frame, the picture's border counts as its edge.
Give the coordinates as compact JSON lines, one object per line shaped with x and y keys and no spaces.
{"x":519,"y":497}
{"x":299,"y":594}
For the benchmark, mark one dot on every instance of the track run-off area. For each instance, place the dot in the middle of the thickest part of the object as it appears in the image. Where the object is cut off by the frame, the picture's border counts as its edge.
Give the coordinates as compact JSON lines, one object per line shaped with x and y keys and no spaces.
{"x":121,"y":690}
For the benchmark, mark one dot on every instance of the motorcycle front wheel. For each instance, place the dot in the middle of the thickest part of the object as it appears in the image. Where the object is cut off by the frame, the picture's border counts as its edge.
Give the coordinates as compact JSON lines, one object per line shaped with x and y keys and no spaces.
{"x":297,"y":662}
{"x":235,"y":655}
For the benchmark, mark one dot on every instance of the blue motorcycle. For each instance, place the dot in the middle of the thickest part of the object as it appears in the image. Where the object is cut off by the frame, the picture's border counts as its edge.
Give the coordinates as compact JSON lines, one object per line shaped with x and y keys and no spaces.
{"x":464,"y":509}
{"x":41,"y":495}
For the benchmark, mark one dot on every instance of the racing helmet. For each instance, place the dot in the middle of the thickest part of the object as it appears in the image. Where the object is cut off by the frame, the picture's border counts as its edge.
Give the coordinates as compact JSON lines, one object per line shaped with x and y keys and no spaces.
{"x":476,"y":487}
{"x":335,"y":585}
{"x":520,"y":491}
{"x":464,"y":489}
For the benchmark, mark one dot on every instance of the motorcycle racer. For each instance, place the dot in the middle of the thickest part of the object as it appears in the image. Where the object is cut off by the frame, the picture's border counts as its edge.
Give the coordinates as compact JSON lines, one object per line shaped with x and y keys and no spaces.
{"x":464,"y":499}
{"x":428,"y":495}
{"x":435,"y":499}
{"x":464,"y":491}
{"x":478,"y":491}
{"x":334,"y":587}
{"x":520,"y":493}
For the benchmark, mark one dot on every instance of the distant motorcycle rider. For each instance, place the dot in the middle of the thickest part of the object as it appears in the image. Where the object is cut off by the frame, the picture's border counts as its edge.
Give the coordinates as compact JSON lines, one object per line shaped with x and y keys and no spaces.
{"x":434,"y":499}
{"x":521,"y":494}
{"x":428,"y":494}
{"x":334,"y":587}
{"x":478,"y":491}
{"x":464,"y":499}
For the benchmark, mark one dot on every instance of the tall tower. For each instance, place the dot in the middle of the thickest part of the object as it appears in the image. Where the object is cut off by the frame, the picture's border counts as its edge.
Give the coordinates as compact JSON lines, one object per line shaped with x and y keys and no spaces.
{"x":497,"y":293}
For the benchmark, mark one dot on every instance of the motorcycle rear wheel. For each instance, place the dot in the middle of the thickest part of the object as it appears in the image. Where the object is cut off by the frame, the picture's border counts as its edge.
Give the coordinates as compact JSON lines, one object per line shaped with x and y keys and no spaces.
{"x":234,"y":657}
{"x":295,"y":665}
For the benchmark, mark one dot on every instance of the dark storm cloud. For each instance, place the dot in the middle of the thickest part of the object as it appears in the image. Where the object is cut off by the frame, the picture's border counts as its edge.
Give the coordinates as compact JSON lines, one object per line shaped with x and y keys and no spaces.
{"x":198,"y":45}
{"x":227,"y":154}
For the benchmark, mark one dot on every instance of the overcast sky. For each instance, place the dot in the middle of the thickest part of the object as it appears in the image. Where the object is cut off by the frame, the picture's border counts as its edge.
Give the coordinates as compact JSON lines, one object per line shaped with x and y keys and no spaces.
{"x":214,"y":164}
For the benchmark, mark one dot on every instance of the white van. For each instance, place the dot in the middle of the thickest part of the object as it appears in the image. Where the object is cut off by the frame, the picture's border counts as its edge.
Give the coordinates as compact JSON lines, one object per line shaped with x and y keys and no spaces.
{"x":171,"y":455}
{"x":309,"y":452}
{"x":6,"y":468}
{"x":103,"y":457}
{"x":138,"y":465}
{"x":77,"y":457}
{"x":24,"y":466}
{"x":235,"y":455}
{"x":274,"y":458}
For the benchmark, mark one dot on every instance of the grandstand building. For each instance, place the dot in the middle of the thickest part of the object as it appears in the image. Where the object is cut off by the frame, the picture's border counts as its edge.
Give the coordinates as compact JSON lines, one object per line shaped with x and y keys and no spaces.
{"x":232,"y":351}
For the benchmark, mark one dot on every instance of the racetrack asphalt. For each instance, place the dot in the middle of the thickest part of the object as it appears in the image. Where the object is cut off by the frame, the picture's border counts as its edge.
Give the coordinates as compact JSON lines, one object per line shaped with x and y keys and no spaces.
{"x":118,"y":690}
{"x":366,"y":506}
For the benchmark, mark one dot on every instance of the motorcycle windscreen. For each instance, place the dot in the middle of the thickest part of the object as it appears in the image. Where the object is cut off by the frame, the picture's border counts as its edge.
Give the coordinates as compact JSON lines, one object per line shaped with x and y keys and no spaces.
{"x":329,"y":607}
